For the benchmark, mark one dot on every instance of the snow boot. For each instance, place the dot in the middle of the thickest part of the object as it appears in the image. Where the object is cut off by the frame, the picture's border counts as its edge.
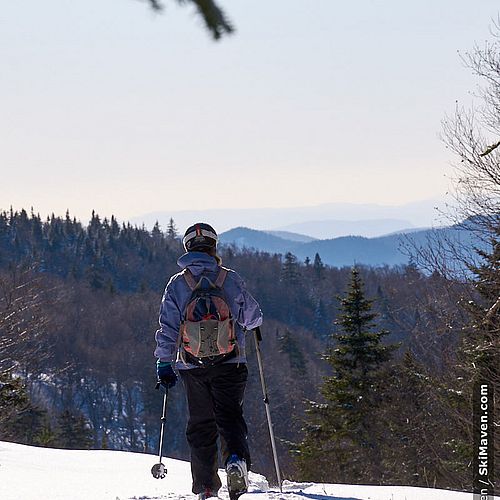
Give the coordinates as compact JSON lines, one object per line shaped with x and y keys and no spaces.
{"x":237,"y":476}
{"x":207,"y":493}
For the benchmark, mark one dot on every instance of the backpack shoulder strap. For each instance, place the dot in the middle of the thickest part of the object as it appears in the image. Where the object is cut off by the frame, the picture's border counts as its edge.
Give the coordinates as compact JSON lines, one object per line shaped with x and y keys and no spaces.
{"x":188,"y":276}
{"x":221,"y":277}
{"x":195,"y":285}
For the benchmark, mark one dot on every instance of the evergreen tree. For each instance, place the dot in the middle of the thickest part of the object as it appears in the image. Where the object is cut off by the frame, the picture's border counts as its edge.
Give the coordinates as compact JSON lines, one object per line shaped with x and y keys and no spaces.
{"x":478,"y":363}
{"x":46,"y":437}
{"x":418,"y":436}
{"x":114,"y":228}
{"x":73,"y":431}
{"x":172,"y":233}
{"x":339,"y":443}
{"x":359,"y":350}
{"x":318,"y":267}
{"x":291,"y":347}
{"x":13,"y":399}
{"x":481,"y":346}
{"x":321,"y":324}
{"x":156,"y":232}
{"x":292,"y":291}
{"x":290,"y":273}
{"x":20,"y":420}
{"x":104,"y":441}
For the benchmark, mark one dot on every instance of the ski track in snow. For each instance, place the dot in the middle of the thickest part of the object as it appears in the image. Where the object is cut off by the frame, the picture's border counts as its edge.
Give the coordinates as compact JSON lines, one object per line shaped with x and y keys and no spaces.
{"x":31,"y":473}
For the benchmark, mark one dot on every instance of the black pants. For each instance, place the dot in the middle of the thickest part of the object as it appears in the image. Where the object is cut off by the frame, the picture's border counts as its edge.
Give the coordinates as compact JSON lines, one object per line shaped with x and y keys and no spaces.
{"x":215,"y":402}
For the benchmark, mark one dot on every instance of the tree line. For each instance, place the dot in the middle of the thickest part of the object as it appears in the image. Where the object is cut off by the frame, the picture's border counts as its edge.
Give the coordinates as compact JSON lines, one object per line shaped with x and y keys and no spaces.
{"x":79,"y":310}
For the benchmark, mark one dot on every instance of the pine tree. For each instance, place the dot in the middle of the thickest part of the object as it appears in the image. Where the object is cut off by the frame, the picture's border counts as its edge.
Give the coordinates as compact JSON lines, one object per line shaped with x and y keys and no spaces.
{"x":156,"y":232}
{"x":318,"y":267}
{"x":290,"y":273}
{"x":339,"y":435}
{"x":46,"y":437}
{"x":13,"y":400}
{"x":172,"y":233}
{"x":291,"y":281}
{"x":104,"y":441}
{"x":481,"y":346}
{"x":291,"y":347}
{"x":20,"y":420}
{"x":321,"y":324}
{"x":414,"y":422}
{"x":73,"y":431}
{"x":359,"y":350}
{"x":478,"y":362}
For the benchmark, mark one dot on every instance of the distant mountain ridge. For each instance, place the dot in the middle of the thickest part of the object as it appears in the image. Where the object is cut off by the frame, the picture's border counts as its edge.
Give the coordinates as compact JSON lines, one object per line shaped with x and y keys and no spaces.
{"x":333,"y":228}
{"x":326,"y":220}
{"x":244,"y":237}
{"x":346,"y":250}
{"x":287,"y":235}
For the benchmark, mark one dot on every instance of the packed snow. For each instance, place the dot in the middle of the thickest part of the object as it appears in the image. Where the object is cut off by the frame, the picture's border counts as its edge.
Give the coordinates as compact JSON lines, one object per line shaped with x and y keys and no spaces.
{"x":31,"y":473}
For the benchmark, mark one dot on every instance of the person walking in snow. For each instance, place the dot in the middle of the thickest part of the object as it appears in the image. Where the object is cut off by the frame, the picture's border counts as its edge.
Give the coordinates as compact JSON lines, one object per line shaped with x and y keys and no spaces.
{"x":204,"y":314}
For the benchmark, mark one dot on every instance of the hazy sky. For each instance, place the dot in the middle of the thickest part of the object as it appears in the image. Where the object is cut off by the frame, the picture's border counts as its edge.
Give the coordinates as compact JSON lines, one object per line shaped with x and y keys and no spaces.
{"x":105,"y":105}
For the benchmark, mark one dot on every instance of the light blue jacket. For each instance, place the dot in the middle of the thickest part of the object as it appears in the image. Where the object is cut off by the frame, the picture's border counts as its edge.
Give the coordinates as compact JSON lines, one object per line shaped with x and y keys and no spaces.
{"x":244,"y":308}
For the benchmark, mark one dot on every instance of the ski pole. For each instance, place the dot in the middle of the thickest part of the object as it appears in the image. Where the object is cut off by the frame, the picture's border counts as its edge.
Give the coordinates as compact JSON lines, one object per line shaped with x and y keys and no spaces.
{"x":258,"y":339}
{"x":158,"y":470}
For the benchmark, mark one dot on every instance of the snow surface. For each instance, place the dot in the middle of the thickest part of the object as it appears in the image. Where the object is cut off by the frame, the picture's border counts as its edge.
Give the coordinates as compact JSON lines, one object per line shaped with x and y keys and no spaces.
{"x":31,"y":473}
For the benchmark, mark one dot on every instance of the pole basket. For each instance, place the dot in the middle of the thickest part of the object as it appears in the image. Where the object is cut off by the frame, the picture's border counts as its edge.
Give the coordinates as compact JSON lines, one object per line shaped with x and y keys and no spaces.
{"x":159,"y":471}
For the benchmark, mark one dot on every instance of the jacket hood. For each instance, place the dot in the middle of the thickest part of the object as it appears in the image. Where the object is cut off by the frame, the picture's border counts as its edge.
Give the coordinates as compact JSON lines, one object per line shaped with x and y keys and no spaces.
{"x":197,"y":262}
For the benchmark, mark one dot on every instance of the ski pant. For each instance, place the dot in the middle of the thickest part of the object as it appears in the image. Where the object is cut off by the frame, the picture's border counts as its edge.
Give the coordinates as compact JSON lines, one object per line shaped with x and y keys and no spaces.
{"x":215,"y":403}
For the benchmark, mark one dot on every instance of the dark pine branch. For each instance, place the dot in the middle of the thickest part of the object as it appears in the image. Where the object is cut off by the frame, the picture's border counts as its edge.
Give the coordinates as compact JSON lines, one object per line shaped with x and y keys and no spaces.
{"x":214,"y":17}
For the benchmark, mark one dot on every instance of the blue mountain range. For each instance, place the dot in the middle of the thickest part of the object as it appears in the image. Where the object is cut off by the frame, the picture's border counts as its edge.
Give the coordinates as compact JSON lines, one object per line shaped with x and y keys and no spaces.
{"x":392,"y":249}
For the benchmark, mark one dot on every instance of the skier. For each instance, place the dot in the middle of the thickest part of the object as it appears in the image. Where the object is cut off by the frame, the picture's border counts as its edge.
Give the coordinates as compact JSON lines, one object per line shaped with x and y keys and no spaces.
{"x":215,"y":376}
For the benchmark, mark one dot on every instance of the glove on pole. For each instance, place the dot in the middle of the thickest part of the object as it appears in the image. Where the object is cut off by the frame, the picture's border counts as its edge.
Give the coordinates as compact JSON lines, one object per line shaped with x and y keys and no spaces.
{"x":258,"y":339}
{"x":166,"y":375}
{"x":158,"y":470}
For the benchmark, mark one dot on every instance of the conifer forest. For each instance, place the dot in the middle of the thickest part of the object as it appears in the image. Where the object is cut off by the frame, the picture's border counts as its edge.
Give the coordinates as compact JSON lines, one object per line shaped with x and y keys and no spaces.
{"x":367,"y":368}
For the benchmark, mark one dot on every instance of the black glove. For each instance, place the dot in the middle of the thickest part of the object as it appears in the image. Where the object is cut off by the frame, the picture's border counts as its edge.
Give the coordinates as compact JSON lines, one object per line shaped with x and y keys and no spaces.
{"x":166,"y":375}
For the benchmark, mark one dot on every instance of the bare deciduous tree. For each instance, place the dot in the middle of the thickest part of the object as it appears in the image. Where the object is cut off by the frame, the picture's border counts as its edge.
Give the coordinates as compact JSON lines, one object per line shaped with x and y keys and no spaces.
{"x":23,"y":320}
{"x":473,"y":135}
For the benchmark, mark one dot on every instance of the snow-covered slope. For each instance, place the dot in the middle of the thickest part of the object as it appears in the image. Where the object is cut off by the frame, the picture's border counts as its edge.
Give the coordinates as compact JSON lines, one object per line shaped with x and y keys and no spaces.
{"x":29,"y":473}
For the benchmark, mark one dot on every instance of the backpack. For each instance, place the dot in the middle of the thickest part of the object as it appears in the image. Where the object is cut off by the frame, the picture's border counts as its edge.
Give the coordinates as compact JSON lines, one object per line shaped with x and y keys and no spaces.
{"x":207,"y":333}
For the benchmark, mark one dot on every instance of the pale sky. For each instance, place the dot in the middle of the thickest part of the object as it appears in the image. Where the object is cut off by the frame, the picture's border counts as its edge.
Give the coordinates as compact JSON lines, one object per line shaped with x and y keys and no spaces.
{"x":105,"y":105}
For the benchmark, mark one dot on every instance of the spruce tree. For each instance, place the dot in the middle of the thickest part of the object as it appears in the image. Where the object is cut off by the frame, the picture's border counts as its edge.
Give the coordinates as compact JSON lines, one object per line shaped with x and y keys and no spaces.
{"x":318,"y":267}
{"x":291,"y":291}
{"x":156,"y":232}
{"x":339,"y":443}
{"x":73,"y":431}
{"x":481,"y":346}
{"x":13,"y":400}
{"x":290,"y":273}
{"x":321,"y":323}
{"x":478,"y":363}
{"x":172,"y":232}
{"x":414,"y":421}
{"x":292,"y":348}
{"x":21,"y":420}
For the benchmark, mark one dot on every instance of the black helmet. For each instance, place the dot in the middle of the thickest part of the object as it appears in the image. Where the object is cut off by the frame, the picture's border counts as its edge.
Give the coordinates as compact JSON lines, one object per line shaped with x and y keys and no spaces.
{"x":200,"y":236}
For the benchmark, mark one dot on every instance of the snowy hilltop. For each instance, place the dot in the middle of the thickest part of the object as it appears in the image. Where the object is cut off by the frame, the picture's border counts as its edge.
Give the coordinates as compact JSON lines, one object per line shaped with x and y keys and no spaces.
{"x":30,"y":473}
